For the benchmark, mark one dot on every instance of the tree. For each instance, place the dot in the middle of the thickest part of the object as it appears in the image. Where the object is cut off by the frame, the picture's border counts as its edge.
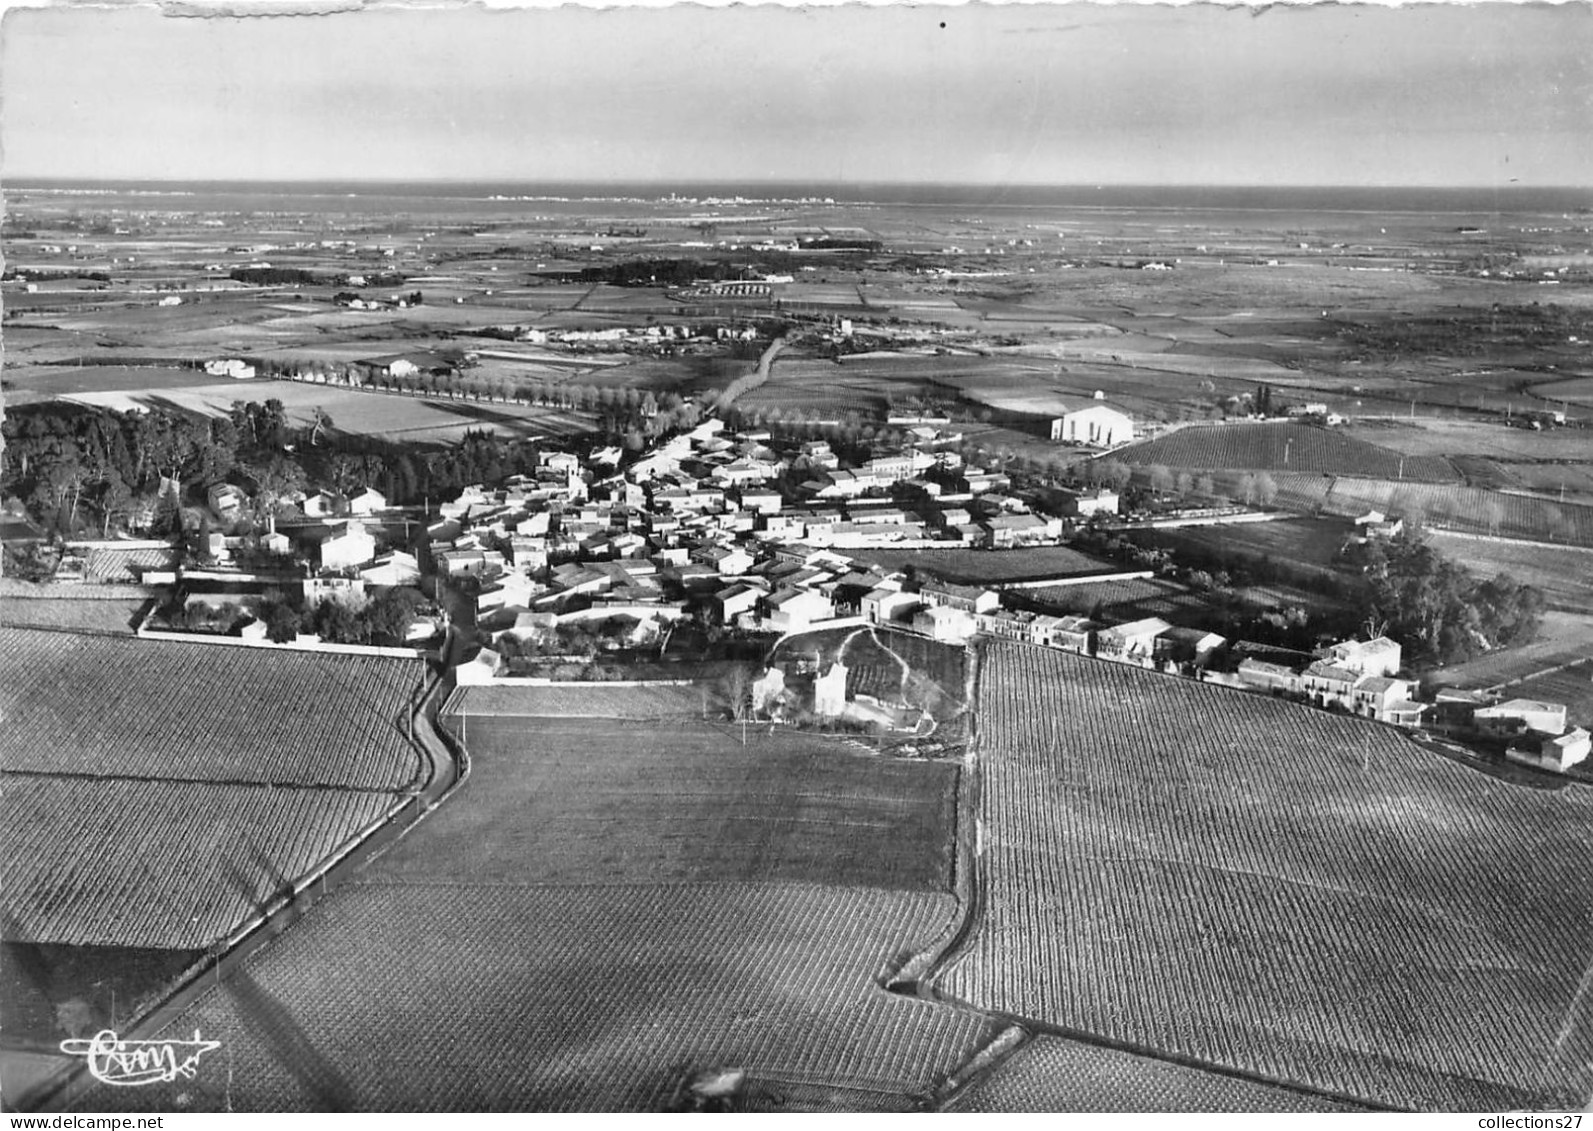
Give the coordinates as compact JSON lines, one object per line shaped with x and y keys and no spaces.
{"x":735,"y":688}
{"x":1161,"y":479}
{"x":1266,"y":489}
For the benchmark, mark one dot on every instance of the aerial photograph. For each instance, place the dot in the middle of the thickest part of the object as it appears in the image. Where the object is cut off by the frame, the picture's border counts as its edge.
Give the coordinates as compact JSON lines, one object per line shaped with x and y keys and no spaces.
{"x":945,"y":558}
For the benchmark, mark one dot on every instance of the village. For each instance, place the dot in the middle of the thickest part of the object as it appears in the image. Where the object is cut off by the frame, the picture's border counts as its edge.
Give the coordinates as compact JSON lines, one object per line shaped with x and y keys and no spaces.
{"x":611,"y":554}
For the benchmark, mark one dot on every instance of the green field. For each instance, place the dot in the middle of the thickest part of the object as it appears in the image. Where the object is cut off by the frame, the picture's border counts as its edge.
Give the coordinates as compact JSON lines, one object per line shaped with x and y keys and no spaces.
{"x":1304,"y":898}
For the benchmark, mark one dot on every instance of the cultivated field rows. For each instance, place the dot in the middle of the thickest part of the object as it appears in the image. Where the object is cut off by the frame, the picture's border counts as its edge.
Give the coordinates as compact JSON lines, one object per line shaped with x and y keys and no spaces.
{"x":1308,"y":898}
{"x":172,"y":710}
{"x":575,"y":998}
{"x":165,"y":864}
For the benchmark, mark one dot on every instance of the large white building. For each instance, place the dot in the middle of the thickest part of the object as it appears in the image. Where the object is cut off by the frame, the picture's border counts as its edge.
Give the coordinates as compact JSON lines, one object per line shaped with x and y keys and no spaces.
{"x":1096,"y":426}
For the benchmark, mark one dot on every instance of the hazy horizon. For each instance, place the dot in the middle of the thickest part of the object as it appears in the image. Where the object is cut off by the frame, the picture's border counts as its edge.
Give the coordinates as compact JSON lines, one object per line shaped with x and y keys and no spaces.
{"x":1065,"y":95}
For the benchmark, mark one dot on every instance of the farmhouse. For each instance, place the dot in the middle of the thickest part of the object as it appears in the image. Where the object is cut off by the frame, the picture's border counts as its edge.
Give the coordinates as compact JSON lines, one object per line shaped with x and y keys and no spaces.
{"x":947,"y":624}
{"x":1095,"y":426}
{"x":1514,"y":716}
{"x":1380,"y":656}
{"x":352,"y":545}
{"x":227,"y":500}
{"x":367,"y":502}
{"x":1132,"y":643}
{"x":1085,"y":504}
{"x":1556,"y":753}
{"x":967,"y":598}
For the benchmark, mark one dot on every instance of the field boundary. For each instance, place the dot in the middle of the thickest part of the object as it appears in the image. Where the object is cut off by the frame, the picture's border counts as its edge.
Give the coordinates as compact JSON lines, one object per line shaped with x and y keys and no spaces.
{"x":277,"y":915}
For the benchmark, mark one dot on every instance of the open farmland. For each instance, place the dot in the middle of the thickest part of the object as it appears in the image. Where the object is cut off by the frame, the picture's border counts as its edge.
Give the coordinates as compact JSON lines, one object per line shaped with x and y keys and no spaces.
{"x":1493,"y":439}
{"x":553,"y":998}
{"x":1055,"y":1074}
{"x":1298,"y":448}
{"x":1187,"y":891}
{"x":362,"y":412}
{"x":175,"y":865}
{"x":567,"y":700}
{"x":602,"y":906}
{"x":1444,"y":505}
{"x":107,"y":707}
{"x":1565,"y":575}
{"x":1311,"y":544}
{"x":74,"y":612}
{"x":614,"y":801}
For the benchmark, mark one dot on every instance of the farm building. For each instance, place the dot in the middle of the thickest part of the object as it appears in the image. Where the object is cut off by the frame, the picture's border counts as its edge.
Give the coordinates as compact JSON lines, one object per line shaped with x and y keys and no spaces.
{"x":1132,"y":643}
{"x":1556,"y":753}
{"x":352,"y":545}
{"x":1187,"y":646}
{"x":1325,"y":685}
{"x":1263,"y":675}
{"x":233,"y":367}
{"x":946,"y":624}
{"x":1084,"y":504}
{"x":967,"y":598}
{"x":793,"y":610}
{"x":227,"y":500}
{"x":1095,"y":426}
{"x":367,"y":501}
{"x":1380,"y":656}
{"x":886,"y":602}
{"x":1070,"y":633}
{"x":396,"y":568}
{"x":1514,"y":716}
{"x":829,"y":692}
{"x":1006,"y":531}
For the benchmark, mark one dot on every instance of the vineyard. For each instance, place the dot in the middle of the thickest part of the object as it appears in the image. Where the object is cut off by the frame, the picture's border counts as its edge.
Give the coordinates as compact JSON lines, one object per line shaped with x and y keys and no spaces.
{"x":1470,"y":509}
{"x":1055,"y":1074}
{"x":933,"y":680}
{"x":1293,"y":448}
{"x":154,"y":709}
{"x":115,"y":615}
{"x":1302,"y":897}
{"x":555,"y":801}
{"x":493,"y":997}
{"x":173,"y":865}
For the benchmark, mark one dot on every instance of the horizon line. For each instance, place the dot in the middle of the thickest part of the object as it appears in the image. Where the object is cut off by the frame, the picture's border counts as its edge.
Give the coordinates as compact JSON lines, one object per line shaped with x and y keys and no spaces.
{"x":777,"y":181}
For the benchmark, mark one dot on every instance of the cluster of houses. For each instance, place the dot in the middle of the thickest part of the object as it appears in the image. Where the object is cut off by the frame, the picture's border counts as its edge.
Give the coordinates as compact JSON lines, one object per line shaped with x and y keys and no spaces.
{"x":718,"y":520}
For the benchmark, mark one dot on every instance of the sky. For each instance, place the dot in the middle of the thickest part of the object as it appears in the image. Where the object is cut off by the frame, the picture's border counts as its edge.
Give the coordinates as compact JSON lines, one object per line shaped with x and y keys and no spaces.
{"x":1066,"y":93}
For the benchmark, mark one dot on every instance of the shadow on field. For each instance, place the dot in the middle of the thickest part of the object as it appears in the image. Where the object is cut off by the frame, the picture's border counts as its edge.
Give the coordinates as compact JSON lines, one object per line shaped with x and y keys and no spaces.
{"x":289,"y":1045}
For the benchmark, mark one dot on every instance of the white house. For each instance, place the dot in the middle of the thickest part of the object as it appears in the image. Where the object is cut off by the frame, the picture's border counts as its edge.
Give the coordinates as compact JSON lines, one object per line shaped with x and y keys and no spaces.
{"x":233,"y":367}
{"x":396,"y":568}
{"x":1132,"y":643}
{"x":1380,"y":656}
{"x":352,"y":546}
{"x":367,"y":502}
{"x":1097,"y":426}
{"x":793,"y":610}
{"x":829,"y":692}
{"x":946,"y":623}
